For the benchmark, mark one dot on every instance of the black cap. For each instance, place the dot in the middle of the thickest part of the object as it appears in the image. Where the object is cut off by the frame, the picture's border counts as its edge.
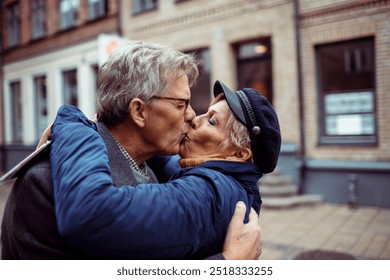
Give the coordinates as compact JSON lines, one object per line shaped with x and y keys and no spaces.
{"x":257,"y":114}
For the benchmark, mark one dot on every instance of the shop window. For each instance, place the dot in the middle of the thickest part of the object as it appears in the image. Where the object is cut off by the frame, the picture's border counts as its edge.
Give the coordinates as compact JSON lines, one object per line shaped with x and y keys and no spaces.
{"x":254,"y":66}
{"x":68,"y":13}
{"x":141,"y":6}
{"x":70,"y":87}
{"x":16,"y":105}
{"x":200,"y":93}
{"x":38,"y":18}
{"x":96,"y":9}
{"x":346,"y":78}
{"x":40,"y":104}
{"x":13,"y":24}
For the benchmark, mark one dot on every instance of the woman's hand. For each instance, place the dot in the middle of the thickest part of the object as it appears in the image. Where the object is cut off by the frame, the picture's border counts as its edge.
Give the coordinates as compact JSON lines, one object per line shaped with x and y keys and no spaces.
{"x":46,"y":135}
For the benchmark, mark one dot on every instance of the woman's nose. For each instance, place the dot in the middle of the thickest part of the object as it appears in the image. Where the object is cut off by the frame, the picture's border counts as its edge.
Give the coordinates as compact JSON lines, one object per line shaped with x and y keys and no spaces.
{"x":197,"y":121}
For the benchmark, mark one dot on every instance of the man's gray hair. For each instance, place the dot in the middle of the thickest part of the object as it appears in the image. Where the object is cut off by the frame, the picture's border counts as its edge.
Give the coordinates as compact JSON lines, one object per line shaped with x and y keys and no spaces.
{"x":139,"y":70}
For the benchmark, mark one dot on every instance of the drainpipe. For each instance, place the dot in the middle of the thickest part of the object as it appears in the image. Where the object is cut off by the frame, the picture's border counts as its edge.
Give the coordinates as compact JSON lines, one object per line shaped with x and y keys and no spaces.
{"x":352,"y":190}
{"x":301,"y":151}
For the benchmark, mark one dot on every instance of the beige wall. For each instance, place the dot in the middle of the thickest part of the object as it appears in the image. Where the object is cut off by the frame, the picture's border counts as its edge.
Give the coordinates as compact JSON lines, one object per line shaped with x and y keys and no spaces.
{"x":219,"y":24}
{"x":346,"y":22}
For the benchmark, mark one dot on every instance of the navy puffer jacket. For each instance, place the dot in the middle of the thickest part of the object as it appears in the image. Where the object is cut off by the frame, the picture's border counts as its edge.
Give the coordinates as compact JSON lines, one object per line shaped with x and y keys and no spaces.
{"x":185,"y":218}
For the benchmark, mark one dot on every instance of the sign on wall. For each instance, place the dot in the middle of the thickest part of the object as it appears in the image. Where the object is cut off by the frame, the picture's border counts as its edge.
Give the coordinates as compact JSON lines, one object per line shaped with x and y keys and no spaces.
{"x":349,"y":113}
{"x":107,"y":44}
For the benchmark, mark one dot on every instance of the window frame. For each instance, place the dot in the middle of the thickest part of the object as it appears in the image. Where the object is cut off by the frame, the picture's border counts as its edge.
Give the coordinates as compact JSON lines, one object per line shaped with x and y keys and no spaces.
{"x":140,"y":6}
{"x":353,"y":137}
{"x":41,"y":103}
{"x":102,"y":6}
{"x":16,"y":112}
{"x":38,"y":19}
{"x":246,"y":54}
{"x":13,"y":24}
{"x":68,"y":19}
{"x":200,"y":93}
{"x":70,"y":90}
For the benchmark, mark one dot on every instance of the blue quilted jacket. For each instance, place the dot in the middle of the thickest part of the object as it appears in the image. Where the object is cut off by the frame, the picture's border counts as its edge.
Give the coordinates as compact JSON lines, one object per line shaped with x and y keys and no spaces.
{"x":184,"y":218}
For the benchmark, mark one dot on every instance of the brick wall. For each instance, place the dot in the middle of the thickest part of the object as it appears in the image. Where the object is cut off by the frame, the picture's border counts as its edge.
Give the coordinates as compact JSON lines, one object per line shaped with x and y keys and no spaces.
{"x":55,"y":37}
{"x":339,"y":21}
{"x":220,"y":24}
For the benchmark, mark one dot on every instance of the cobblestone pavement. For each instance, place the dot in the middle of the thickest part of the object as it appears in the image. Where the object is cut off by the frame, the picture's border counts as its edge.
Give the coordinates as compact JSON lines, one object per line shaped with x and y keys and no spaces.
{"x":363,"y":233}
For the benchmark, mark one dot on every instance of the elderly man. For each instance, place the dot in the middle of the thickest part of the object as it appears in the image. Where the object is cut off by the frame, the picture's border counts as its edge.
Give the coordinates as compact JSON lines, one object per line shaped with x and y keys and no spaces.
{"x":150,"y":83}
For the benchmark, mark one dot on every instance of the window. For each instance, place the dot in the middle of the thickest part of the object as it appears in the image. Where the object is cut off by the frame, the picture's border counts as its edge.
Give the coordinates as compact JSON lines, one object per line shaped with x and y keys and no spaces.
{"x":140,"y":6}
{"x":38,"y":17}
{"x":200,"y":93}
{"x":40,"y":103}
{"x":95,"y":74}
{"x":16,"y":105}
{"x":94,"y":80}
{"x":68,"y":13}
{"x":254,"y":66}
{"x":347,"y":92}
{"x":70,"y":87}
{"x":96,"y":9}
{"x":13,"y":24}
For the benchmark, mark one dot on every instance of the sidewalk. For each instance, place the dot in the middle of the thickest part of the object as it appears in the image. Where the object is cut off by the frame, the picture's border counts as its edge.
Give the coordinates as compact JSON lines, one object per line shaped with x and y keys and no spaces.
{"x":363,"y":233}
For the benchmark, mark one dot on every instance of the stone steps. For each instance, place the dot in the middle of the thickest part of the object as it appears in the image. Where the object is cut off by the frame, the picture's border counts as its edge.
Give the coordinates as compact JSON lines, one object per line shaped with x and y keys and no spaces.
{"x":275,"y":180}
{"x":291,"y":201}
{"x":279,"y":191}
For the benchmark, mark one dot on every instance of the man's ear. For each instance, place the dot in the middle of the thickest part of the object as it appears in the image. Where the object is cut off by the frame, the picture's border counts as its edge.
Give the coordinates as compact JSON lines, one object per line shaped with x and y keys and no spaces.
{"x":137,"y":111}
{"x":244,"y":154}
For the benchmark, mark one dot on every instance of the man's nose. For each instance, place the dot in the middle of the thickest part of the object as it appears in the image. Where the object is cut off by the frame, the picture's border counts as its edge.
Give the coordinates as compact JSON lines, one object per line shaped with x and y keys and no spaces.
{"x":190,"y":114}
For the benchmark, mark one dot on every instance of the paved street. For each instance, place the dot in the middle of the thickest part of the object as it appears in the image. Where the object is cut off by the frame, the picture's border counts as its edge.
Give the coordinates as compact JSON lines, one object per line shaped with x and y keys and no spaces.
{"x":363,"y":233}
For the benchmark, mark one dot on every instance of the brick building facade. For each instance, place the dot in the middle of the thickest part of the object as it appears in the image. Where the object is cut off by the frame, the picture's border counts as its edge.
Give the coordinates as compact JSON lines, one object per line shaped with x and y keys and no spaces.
{"x":49,"y":56}
{"x":336,"y":138}
{"x":361,"y":161}
{"x":324,"y":65}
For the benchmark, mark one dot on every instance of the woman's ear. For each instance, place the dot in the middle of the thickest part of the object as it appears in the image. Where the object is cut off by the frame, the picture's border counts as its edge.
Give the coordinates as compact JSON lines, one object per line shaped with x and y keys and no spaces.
{"x":137,"y":111}
{"x":244,"y":154}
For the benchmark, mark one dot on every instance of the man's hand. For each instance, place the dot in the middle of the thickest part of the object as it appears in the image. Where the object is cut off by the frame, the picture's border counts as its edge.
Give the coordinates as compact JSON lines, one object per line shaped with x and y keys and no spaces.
{"x":243,"y":241}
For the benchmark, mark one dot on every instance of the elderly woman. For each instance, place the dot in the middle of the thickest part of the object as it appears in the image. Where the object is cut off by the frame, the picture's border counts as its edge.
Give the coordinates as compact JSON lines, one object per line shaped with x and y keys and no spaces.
{"x":223,"y":155}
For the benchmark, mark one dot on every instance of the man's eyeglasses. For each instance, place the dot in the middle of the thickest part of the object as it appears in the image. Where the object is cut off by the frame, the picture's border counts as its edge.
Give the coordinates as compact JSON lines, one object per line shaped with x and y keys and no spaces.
{"x":185,"y":104}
